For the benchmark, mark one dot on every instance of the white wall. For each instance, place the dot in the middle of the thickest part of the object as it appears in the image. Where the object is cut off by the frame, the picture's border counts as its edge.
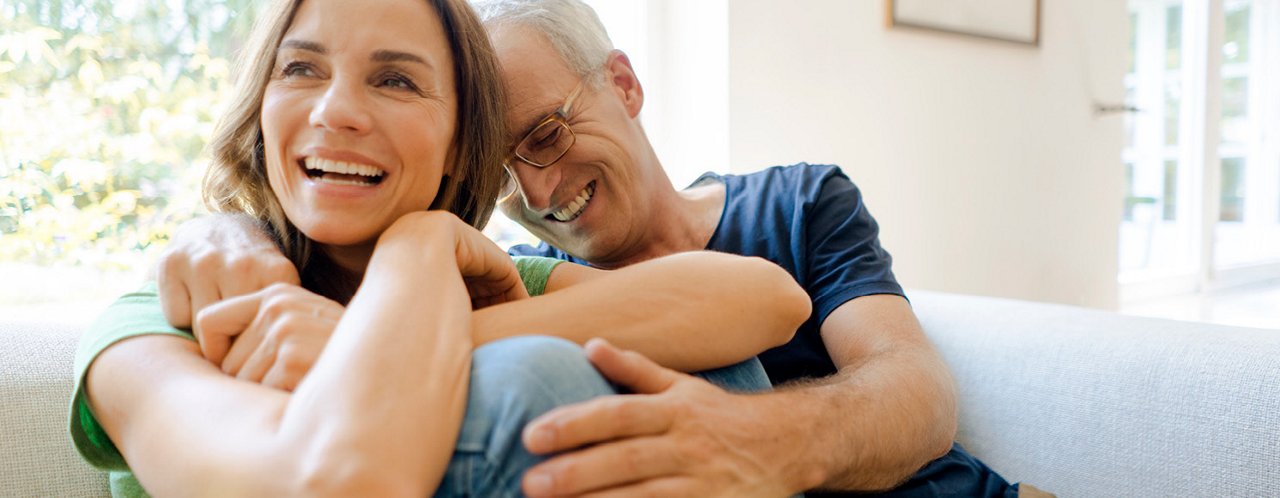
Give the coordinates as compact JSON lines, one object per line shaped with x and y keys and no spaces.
{"x":983,"y":161}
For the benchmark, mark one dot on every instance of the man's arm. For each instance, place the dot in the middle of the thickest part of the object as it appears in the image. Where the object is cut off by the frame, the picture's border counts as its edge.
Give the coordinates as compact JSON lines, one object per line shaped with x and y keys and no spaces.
{"x":887,"y":412}
{"x":689,"y":311}
{"x":892,"y":405}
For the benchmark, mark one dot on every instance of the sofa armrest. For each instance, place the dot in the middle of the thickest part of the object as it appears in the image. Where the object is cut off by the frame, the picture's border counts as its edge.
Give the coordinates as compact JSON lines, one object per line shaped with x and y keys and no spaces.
{"x":1089,"y":403}
{"x":35,"y":395}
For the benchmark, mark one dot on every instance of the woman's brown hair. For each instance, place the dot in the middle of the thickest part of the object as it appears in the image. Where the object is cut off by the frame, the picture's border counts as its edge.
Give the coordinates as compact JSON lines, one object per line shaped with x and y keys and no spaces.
{"x":237,"y":178}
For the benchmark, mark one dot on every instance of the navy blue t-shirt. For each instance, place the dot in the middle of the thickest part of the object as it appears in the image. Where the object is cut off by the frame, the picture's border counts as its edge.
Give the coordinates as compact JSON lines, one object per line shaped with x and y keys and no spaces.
{"x":810,"y":220}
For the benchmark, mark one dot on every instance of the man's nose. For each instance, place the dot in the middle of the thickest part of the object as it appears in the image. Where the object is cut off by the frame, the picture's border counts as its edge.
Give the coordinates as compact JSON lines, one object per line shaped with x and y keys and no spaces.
{"x":342,"y":108}
{"x":536,"y":184}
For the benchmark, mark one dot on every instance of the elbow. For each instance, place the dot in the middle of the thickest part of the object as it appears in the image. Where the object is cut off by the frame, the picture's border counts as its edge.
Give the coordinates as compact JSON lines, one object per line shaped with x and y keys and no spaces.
{"x":340,"y":475}
{"x":344,"y":482}
{"x":790,"y":302}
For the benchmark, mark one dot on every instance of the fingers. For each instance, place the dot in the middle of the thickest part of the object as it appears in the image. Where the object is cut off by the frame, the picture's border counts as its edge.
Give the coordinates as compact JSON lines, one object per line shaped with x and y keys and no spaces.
{"x":598,"y":420}
{"x":175,"y":300}
{"x":629,"y":368}
{"x":251,"y":353}
{"x":218,"y":323}
{"x":214,"y":258}
{"x":602,"y":468}
{"x":665,"y":486}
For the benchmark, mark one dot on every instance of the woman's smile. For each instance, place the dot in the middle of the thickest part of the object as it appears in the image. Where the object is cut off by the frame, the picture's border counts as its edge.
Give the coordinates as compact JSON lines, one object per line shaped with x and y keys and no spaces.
{"x":341,"y":173}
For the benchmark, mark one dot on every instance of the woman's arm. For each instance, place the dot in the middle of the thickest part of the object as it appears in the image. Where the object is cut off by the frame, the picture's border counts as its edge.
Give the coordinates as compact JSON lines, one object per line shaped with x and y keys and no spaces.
{"x":355,"y":425}
{"x":690,"y":311}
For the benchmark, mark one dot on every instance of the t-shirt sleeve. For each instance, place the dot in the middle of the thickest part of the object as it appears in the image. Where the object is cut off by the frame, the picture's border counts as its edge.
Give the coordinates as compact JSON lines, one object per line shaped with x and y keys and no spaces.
{"x":535,"y":272}
{"x":842,"y":239}
{"x":134,"y":314}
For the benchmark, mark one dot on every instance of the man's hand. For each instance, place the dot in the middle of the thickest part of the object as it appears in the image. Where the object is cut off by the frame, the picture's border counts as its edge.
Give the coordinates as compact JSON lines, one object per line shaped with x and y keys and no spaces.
{"x":214,"y":258}
{"x":272,"y":336}
{"x":678,"y":436}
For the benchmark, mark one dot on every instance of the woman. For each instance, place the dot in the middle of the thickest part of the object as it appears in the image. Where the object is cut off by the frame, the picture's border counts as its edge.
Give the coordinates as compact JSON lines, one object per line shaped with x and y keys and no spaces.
{"x":355,"y":118}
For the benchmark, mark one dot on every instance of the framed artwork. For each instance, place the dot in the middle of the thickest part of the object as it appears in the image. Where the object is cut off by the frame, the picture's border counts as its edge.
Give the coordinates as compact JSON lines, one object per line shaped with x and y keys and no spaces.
{"x":1015,"y":21}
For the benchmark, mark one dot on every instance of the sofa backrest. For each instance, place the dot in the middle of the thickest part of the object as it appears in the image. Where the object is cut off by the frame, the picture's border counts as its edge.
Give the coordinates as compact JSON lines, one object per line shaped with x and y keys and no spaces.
{"x":1087,"y":403}
{"x":36,"y":455}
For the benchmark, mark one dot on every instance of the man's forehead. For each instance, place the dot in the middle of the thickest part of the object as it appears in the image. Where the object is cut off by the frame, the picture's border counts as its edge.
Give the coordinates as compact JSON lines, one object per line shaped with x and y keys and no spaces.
{"x":537,"y":78}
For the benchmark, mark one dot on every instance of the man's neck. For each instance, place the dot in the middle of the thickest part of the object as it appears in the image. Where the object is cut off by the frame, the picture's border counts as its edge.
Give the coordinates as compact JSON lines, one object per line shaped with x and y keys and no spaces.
{"x":681,"y":221}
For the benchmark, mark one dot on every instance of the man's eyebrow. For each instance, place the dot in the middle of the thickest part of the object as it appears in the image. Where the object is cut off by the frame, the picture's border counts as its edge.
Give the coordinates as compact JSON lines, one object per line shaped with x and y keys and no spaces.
{"x":527,"y":126}
{"x":309,"y":46}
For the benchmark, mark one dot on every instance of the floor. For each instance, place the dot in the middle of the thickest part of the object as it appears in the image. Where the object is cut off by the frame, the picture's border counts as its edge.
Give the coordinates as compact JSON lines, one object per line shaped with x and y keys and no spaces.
{"x":1246,"y":306}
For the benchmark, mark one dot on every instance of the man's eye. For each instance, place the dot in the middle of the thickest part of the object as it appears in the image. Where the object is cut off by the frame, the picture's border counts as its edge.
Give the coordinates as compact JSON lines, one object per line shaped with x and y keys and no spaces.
{"x":546,"y":136}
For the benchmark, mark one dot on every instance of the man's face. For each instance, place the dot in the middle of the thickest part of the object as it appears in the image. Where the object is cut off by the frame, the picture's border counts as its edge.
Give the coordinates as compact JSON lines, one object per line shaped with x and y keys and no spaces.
{"x":593,"y":201}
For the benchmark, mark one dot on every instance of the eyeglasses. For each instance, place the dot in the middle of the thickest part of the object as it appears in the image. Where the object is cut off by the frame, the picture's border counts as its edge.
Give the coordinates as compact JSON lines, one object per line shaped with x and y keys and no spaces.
{"x":545,"y":144}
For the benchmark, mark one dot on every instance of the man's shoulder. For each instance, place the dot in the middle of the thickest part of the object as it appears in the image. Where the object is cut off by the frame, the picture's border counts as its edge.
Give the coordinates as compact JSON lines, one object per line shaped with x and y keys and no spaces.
{"x":800,"y":182}
{"x":788,"y":177}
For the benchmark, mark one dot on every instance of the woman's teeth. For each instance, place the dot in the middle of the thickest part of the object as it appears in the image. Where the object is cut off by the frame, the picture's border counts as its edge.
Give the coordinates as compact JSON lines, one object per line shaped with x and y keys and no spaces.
{"x":579,"y":204}
{"x":342,"y":173}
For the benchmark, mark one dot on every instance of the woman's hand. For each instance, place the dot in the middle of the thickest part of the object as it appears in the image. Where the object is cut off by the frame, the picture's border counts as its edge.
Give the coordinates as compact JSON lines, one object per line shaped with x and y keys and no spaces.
{"x":488,"y":272}
{"x":272,"y":336}
{"x":216,"y":257}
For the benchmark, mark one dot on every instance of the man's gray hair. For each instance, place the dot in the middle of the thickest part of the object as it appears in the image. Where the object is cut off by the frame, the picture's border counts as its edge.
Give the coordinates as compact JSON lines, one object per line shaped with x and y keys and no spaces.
{"x":571,"y":26}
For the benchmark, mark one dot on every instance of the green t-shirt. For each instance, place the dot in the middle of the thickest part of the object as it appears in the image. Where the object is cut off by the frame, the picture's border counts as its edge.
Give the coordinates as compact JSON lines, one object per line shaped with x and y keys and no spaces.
{"x":139,"y":313}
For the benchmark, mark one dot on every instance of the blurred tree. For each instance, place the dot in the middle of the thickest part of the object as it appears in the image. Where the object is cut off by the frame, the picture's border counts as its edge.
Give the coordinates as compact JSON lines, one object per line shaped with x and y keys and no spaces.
{"x":105,"y":109}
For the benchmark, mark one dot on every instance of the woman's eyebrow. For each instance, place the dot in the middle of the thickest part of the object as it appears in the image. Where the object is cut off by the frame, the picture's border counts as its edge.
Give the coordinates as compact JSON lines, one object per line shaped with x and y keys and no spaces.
{"x":309,"y":46}
{"x":396,"y":56}
{"x":377,"y":56}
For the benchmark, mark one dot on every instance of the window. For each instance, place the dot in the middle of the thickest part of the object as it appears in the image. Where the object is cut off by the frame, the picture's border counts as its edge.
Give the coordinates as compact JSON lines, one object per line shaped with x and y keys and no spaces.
{"x":105,"y":108}
{"x":1163,"y":234}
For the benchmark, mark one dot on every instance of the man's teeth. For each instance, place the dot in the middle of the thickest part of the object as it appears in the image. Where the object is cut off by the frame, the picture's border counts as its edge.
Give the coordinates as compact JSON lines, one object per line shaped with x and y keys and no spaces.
{"x":576,"y":207}
{"x":345,"y":168}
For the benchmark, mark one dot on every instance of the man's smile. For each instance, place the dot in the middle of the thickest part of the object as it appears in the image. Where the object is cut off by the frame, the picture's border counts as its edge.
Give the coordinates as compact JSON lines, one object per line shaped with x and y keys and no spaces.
{"x":577,"y":206}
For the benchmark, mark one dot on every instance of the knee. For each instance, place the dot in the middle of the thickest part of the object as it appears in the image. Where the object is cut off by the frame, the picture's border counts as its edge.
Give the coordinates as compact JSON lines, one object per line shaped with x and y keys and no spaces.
{"x":544,"y":372}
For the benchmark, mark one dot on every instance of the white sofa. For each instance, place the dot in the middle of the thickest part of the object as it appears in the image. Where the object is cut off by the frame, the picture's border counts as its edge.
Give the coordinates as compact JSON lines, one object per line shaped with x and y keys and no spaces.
{"x":1077,"y":402}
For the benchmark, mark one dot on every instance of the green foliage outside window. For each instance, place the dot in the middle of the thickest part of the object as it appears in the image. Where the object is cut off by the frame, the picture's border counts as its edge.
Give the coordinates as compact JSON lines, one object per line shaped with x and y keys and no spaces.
{"x":105,"y":109}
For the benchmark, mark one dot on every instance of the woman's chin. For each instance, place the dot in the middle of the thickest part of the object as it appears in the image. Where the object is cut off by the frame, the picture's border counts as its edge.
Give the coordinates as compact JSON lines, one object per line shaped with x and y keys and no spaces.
{"x":334,"y":234}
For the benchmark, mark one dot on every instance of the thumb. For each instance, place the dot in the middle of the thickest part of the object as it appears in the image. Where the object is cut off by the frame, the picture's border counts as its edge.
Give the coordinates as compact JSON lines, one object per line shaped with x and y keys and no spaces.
{"x":217,"y":323}
{"x":630,"y":368}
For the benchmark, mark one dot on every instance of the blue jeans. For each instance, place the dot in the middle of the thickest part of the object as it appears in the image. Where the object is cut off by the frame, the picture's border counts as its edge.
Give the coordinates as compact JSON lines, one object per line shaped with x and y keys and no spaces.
{"x":515,"y":380}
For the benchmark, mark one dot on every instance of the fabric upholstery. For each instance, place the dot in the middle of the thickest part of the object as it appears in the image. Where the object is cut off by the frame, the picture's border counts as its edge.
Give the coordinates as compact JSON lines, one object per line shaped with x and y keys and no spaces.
{"x":1076,"y":402}
{"x":1087,"y":403}
{"x":36,"y":456}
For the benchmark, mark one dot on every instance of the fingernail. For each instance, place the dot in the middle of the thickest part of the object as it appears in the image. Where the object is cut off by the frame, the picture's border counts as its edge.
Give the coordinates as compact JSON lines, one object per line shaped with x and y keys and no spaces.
{"x":542,"y":438}
{"x":538,"y":483}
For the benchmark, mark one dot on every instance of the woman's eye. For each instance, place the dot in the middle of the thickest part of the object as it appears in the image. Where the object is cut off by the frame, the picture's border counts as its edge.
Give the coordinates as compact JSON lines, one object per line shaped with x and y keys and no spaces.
{"x":395,"y":81}
{"x":297,"y":69}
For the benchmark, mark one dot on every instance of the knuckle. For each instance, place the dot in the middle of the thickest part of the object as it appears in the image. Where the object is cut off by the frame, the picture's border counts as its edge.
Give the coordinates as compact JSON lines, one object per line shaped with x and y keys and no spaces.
{"x":171,"y":263}
{"x":283,"y":325}
{"x":206,"y":262}
{"x":202,"y":319}
{"x":633,"y":460}
{"x":280,"y":269}
{"x":275,"y":307}
{"x":241,"y":266}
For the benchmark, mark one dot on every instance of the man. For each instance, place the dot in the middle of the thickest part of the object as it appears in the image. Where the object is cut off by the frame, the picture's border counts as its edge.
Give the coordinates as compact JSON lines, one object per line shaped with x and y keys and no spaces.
{"x":870,"y":403}
{"x":880,"y":404}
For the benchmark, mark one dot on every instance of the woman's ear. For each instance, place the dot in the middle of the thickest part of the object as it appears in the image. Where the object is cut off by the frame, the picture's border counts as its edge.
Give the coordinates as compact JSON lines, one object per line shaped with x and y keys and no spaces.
{"x":625,"y":84}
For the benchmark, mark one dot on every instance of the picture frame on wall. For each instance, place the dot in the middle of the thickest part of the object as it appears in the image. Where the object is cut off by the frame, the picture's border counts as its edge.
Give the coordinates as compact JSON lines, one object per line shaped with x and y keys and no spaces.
{"x":1016,"y":21}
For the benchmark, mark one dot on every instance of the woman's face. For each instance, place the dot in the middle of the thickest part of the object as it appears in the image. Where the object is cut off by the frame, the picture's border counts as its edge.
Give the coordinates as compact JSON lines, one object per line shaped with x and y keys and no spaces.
{"x":359,"y":117}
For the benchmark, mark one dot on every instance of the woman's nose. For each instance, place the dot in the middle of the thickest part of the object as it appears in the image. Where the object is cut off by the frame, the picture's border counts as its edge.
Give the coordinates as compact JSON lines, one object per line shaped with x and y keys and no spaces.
{"x":342,"y":108}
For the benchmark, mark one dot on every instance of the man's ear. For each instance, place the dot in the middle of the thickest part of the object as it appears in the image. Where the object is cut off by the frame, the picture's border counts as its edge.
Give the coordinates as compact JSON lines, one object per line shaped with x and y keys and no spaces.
{"x":624,"y":82}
